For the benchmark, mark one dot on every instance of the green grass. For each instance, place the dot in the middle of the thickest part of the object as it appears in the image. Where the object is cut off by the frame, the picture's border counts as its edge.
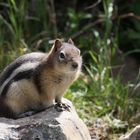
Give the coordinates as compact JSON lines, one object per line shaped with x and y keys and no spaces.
{"x":97,"y":93}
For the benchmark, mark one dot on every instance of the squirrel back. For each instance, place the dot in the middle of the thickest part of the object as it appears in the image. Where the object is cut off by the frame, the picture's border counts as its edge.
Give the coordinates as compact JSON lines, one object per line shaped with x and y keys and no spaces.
{"x":36,"y":81}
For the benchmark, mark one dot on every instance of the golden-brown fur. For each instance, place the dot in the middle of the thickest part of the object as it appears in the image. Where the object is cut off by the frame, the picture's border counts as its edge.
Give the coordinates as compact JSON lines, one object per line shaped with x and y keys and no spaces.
{"x":54,"y":73}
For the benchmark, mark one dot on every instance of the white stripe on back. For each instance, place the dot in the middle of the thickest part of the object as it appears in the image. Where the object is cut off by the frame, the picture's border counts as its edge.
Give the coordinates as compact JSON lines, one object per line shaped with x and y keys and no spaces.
{"x":21,"y":68}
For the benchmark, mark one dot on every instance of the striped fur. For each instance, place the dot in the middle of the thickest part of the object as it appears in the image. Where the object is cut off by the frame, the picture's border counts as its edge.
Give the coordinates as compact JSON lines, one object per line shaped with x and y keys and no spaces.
{"x":22,"y":69}
{"x":13,"y":72}
{"x":35,"y":81}
{"x":32,"y":57}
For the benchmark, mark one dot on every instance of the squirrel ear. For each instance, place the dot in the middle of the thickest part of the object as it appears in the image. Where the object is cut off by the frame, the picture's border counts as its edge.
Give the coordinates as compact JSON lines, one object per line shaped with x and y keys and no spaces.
{"x":70,"y":41}
{"x":57,"y":44}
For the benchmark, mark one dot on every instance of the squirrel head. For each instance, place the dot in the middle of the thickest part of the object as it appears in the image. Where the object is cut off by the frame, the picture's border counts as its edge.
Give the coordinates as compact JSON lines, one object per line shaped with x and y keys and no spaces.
{"x":65,"y":57}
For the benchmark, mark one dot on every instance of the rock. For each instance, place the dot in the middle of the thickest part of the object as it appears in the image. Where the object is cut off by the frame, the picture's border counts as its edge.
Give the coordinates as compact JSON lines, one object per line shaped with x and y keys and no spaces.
{"x":133,"y":135}
{"x":47,"y":125}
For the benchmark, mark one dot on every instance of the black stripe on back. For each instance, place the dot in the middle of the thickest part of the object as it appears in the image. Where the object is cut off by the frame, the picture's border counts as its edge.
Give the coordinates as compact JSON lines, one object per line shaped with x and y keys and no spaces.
{"x":21,"y":75}
{"x":36,"y":79}
{"x":9,"y":69}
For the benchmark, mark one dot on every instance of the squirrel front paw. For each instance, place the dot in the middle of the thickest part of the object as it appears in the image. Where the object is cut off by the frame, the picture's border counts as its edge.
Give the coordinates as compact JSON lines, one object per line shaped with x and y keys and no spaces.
{"x":61,"y":107}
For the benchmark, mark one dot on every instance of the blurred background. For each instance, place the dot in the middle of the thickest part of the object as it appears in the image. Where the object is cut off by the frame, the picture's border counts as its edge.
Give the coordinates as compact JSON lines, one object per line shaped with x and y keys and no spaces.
{"x":107,"y":93}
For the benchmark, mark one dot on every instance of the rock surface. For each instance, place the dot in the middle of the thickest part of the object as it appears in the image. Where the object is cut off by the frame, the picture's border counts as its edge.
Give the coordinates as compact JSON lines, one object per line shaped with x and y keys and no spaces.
{"x":47,"y":125}
{"x":134,"y":135}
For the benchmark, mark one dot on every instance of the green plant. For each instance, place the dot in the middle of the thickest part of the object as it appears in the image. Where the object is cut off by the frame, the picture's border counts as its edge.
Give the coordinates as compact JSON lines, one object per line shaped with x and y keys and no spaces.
{"x":100,"y":93}
{"x":28,"y":25}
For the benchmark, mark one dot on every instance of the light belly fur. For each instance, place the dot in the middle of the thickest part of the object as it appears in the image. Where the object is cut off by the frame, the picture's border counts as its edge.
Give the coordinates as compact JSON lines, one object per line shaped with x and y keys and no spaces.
{"x":22,"y":95}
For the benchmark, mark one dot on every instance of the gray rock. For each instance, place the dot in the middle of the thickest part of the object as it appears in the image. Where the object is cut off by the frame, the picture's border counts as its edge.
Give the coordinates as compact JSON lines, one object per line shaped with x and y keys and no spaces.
{"x":133,"y":135}
{"x":47,"y":125}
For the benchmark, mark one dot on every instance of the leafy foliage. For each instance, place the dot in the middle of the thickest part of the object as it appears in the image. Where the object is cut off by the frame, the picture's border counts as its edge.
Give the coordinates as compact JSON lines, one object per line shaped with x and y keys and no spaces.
{"x":100,"y":29}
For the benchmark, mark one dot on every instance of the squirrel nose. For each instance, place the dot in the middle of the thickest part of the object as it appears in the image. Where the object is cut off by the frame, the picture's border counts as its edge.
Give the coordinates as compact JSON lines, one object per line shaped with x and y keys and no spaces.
{"x":74,"y":65}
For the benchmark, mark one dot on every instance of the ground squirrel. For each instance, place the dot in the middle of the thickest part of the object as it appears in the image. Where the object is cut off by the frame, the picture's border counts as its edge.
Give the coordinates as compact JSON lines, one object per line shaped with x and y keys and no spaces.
{"x":36,"y":81}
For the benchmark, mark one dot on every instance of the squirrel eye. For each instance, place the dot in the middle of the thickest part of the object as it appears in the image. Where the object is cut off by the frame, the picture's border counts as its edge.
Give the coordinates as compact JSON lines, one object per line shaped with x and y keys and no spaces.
{"x":62,"y":55}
